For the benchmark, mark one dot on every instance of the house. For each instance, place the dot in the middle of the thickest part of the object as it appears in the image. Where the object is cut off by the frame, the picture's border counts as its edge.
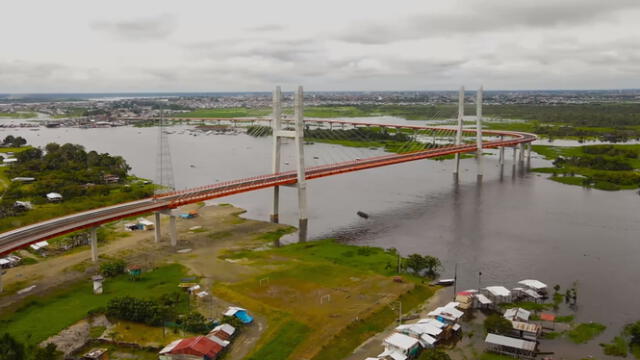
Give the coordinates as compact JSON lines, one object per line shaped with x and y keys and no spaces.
{"x":400,"y":347}
{"x":39,"y":246}
{"x":96,"y":354}
{"x":465,"y":299}
{"x":111,"y":179}
{"x":526,"y":294}
{"x":517,"y":314}
{"x":200,"y":347}
{"x":9,"y":261}
{"x":23,"y":205}
{"x":426,"y":332}
{"x":537,"y":286}
{"x":223,"y":331}
{"x":519,"y":348}
{"x":498,"y":294}
{"x":482,"y":302}
{"x":524,"y":330}
{"x":146,"y":224}
{"x":447,"y":314}
{"x":54,"y":197}
{"x":239,"y":313}
{"x":23,"y":179}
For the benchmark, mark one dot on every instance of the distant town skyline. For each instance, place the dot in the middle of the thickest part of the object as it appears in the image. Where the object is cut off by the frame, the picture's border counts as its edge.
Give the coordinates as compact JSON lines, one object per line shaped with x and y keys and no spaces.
{"x":197,"y":45}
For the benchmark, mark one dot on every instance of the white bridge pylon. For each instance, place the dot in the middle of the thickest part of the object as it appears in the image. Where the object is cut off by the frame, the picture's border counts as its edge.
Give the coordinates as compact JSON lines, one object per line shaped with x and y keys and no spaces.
{"x":298,"y":135}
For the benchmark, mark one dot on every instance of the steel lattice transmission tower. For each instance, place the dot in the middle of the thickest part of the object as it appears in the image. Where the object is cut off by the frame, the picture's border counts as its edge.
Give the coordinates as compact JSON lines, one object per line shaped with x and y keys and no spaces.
{"x":164,"y":166}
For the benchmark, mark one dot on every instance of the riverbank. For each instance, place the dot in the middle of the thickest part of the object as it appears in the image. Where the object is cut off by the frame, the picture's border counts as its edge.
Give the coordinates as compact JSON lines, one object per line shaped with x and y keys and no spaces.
{"x":307,"y":298}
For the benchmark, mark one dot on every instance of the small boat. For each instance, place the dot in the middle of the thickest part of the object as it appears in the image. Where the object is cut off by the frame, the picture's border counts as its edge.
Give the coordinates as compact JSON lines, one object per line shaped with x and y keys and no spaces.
{"x":192,"y":166}
{"x":363,"y":214}
{"x":444,"y":282}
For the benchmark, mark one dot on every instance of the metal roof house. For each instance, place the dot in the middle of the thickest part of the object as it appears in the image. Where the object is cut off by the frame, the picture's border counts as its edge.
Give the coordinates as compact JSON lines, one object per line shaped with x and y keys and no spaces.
{"x":54,"y":196}
{"x":240,"y":313}
{"x":517,"y":314}
{"x":519,"y":348}
{"x":536,"y":285}
{"x":400,"y":344}
{"x":196,"y":348}
{"x":498,"y":294}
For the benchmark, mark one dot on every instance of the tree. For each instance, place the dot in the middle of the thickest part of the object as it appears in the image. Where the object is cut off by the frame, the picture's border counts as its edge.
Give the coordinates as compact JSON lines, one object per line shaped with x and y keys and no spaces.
{"x":196,"y":323}
{"x":112,"y":268}
{"x":434,"y":354}
{"x":48,"y":352}
{"x":634,"y":333}
{"x":496,"y":324}
{"x":432,"y":264}
{"x":416,"y":262}
{"x":10,"y":348}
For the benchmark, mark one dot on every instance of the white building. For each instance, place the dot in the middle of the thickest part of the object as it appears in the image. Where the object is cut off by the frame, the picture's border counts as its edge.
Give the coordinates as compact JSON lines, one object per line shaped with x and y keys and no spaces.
{"x":54,"y":196}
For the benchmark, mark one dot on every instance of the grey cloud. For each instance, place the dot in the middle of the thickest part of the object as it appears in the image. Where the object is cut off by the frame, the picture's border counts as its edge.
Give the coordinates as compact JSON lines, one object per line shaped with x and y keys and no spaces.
{"x":484,"y":16}
{"x":280,"y":50}
{"x":150,"y":28}
{"x":267,"y":28}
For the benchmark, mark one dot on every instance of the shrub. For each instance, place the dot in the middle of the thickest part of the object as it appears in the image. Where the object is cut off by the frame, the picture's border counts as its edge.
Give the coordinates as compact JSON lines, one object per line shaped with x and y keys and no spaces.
{"x":112,"y":268}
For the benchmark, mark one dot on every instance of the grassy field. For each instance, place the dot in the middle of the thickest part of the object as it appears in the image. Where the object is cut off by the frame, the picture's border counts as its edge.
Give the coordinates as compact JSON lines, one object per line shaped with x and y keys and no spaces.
{"x":225,"y":113}
{"x":320,"y":289}
{"x":18,"y":115}
{"x":67,"y":306}
{"x":145,"y":335}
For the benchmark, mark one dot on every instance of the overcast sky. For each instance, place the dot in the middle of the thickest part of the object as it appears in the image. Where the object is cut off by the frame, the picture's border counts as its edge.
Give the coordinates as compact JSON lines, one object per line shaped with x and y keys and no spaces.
{"x":242,"y":45}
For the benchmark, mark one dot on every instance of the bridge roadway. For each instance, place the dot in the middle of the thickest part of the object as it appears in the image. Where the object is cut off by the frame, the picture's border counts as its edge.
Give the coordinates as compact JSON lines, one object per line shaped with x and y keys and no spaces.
{"x":24,"y":236}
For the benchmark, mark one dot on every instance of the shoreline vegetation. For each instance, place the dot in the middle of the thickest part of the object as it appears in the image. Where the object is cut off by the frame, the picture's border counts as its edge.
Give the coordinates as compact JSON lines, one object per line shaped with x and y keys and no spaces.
{"x":603,"y":167}
{"x":609,"y":122}
{"x":84,"y":179}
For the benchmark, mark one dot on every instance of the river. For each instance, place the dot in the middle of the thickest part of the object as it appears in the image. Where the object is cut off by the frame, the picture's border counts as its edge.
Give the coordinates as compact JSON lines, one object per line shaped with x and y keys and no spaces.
{"x":511,"y":227}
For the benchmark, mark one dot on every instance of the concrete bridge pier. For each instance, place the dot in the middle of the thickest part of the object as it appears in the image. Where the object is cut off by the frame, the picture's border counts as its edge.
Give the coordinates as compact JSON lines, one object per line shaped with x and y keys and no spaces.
{"x":528,"y":156}
{"x":302,"y":182}
{"x":501,"y":154}
{"x":156,"y":227}
{"x":93,"y":241}
{"x":456,"y":172}
{"x":515,"y":160}
{"x":479,"y":133}
{"x":276,"y":126}
{"x":1,"y":286}
{"x":173,"y":232}
{"x":298,"y":135}
{"x":521,"y":157}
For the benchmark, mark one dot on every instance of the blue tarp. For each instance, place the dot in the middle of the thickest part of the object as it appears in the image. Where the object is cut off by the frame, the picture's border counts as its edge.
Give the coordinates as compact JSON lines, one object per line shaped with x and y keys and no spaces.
{"x":243,"y":316}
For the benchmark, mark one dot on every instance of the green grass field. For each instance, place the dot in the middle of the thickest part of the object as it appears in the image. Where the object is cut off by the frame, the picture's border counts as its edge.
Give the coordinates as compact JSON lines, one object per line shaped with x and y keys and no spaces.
{"x":42,"y":317}
{"x":18,"y":115}
{"x":293,"y":278}
{"x":225,"y":113}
